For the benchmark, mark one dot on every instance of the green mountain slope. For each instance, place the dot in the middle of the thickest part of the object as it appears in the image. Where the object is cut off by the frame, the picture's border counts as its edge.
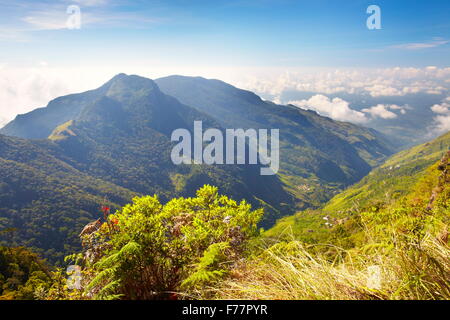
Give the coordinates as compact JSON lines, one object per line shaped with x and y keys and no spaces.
{"x":124,"y":137}
{"x":118,"y":145}
{"x":47,"y":200}
{"x":393,"y":178}
{"x":319,"y":156}
{"x":396,"y":250}
{"x":39,"y":123}
{"x":384,"y":186}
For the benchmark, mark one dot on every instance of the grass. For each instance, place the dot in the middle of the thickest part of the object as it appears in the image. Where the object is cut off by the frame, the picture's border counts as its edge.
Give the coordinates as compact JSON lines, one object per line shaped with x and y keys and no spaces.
{"x":392,"y":179}
{"x":292,"y":273}
{"x":397,"y":251}
{"x":62,"y":131}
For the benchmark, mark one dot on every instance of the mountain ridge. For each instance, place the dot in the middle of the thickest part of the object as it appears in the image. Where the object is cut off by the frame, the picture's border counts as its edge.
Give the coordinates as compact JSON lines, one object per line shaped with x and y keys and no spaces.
{"x":319,"y":153}
{"x":117,"y":138}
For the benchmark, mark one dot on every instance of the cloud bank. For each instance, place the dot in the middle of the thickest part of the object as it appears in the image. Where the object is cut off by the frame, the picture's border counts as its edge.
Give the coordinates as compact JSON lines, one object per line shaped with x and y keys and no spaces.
{"x":336,"y":108}
{"x":374,"y":82}
{"x":382,"y":111}
{"x":442,"y":120}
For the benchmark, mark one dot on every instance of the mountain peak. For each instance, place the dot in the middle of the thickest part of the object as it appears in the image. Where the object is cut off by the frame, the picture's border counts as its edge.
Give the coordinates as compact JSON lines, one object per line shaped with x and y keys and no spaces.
{"x":123,"y":86}
{"x":40,"y":123}
{"x":119,"y":76}
{"x":131,"y":80}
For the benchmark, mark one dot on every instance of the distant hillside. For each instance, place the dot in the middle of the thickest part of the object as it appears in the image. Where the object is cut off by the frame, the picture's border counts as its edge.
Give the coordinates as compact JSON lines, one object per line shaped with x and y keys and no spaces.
{"x":385,"y":185}
{"x":45,"y":199}
{"x":319,"y":156}
{"x":392,"y":179}
{"x":124,"y":137}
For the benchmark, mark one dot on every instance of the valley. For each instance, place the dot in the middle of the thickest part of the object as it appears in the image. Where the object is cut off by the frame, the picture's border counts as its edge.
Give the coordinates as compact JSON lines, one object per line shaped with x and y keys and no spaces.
{"x":221,"y":230}
{"x":119,"y":135}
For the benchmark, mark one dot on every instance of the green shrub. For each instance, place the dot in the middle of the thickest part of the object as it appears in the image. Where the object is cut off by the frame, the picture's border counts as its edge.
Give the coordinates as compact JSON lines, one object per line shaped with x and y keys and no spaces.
{"x":148,"y":250}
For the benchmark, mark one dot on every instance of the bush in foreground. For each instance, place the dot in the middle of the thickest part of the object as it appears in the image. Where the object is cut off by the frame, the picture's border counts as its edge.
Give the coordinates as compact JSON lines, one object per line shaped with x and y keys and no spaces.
{"x":152,"y":251}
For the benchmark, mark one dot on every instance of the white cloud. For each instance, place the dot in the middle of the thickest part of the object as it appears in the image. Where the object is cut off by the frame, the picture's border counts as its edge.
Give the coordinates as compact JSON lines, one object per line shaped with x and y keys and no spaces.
{"x":336,"y":108}
{"x":90,"y":3}
{"x":380,"y":90}
{"x":440,"y":108}
{"x":381,"y":111}
{"x":3,"y":121}
{"x":443,"y":108}
{"x":24,"y":89}
{"x":421,"y":45}
{"x":375,"y":82}
{"x":47,"y":20}
{"x":54,"y":16}
{"x":442,"y":121}
{"x":441,"y":124}
{"x":19,"y":95}
{"x":402,"y":109}
{"x":56,"y":19}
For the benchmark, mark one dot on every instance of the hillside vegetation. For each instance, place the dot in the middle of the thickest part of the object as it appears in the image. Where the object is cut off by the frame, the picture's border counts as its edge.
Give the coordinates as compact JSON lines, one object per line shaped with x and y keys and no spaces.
{"x":385,"y":237}
{"x":320,"y":156}
{"x":22,"y":274}
{"x":209,"y":247}
{"x":46,"y":200}
{"x":384,"y":185}
{"x":396,"y":251}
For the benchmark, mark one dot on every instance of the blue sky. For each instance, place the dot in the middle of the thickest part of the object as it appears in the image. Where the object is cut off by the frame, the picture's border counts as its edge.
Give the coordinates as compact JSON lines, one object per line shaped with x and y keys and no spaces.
{"x":262,"y":33}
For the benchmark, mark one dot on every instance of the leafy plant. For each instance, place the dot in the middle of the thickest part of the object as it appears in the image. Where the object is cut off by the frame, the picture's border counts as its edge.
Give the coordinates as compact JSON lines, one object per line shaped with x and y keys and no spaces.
{"x":151,"y":249}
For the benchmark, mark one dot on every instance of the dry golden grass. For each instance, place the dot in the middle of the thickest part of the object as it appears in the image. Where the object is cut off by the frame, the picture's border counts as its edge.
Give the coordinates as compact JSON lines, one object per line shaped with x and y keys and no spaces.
{"x":412,"y":271}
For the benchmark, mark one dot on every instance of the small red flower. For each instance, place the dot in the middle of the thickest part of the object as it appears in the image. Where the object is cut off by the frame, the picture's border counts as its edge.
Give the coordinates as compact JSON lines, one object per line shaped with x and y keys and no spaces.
{"x":105,"y":209}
